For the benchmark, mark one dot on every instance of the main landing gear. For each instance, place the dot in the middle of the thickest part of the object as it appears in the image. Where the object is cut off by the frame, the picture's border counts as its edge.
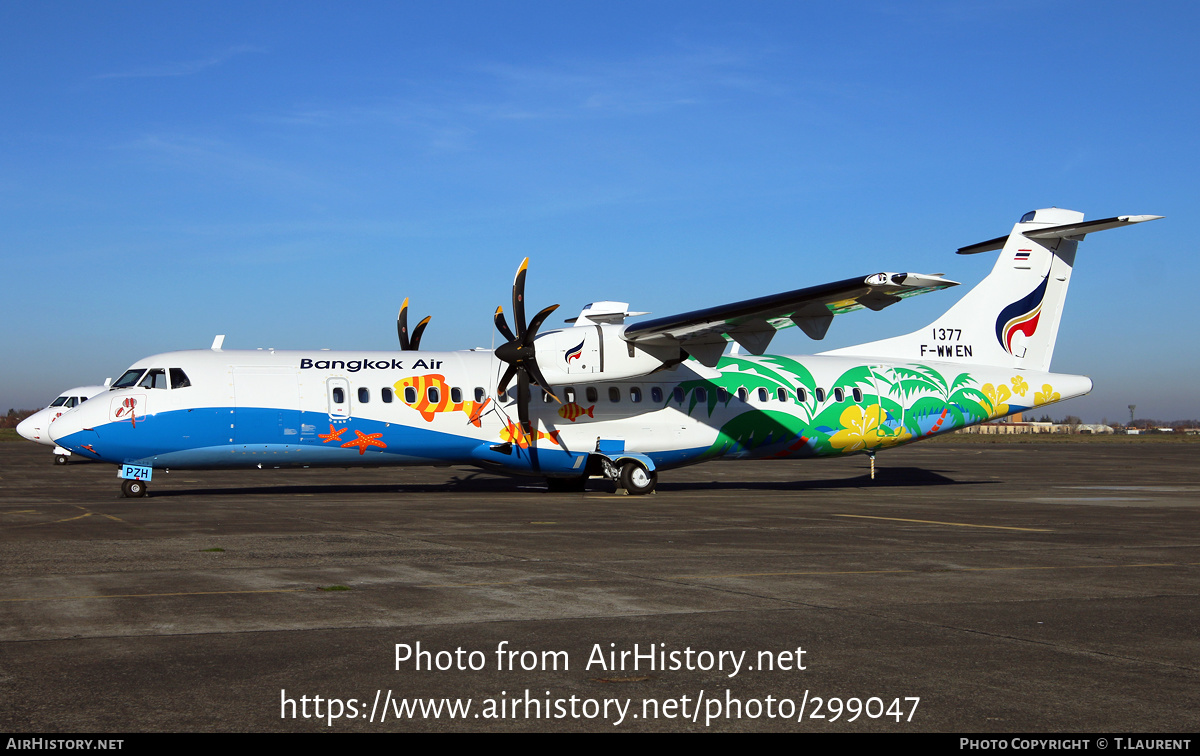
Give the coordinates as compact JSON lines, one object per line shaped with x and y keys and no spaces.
{"x":631,"y":478}
{"x":637,"y":480}
{"x":133,"y":489}
{"x":60,"y":459}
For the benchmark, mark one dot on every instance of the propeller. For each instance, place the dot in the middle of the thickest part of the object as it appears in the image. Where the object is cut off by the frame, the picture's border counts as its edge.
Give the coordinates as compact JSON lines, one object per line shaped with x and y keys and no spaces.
{"x":519,"y":353}
{"x":408,"y":344}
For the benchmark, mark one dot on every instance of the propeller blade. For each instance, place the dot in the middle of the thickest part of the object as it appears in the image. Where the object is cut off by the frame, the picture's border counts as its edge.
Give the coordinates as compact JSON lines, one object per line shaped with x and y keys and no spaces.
{"x":402,"y":325}
{"x":531,"y":332}
{"x":502,"y":386}
{"x":523,"y":415}
{"x":420,"y":329}
{"x":531,"y":367}
{"x":523,"y":403}
{"x":519,"y":297}
{"x":502,"y":325}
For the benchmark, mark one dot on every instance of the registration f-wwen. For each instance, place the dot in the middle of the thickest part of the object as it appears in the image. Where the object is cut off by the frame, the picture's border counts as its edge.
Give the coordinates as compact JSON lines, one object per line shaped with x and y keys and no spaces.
{"x":604,"y":398}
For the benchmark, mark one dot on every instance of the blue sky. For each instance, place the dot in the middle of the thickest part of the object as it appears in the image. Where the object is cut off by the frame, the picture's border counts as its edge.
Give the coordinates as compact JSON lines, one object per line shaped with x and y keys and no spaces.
{"x":287,"y":173}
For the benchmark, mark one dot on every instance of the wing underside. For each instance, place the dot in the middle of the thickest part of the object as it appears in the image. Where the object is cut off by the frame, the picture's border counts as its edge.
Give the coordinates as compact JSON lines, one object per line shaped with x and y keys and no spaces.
{"x":752,"y":323}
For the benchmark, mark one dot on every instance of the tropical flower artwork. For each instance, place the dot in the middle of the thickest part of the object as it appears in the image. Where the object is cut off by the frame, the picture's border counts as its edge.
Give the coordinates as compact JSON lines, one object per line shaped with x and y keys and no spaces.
{"x":864,"y":409}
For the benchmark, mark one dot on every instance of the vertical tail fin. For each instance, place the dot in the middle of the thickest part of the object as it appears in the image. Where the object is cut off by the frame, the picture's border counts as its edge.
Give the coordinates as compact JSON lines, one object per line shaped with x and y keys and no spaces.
{"x":1011,"y":318}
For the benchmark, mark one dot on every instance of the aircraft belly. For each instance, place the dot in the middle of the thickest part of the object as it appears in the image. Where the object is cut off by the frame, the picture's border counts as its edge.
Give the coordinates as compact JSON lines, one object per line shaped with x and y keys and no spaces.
{"x":205,"y":437}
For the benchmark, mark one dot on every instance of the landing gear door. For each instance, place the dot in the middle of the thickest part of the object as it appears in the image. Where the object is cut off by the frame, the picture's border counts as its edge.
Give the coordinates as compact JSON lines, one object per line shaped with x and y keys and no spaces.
{"x":338,"y":391}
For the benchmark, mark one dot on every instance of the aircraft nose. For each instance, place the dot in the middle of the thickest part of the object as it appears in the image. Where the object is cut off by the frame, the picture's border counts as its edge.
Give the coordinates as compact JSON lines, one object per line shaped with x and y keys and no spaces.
{"x":31,"y":427}
{"x":63,"y":426}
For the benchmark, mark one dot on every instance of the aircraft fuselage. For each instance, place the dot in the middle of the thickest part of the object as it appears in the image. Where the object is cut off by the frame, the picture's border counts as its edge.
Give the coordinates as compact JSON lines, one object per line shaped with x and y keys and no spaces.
{"x":274,"y":408}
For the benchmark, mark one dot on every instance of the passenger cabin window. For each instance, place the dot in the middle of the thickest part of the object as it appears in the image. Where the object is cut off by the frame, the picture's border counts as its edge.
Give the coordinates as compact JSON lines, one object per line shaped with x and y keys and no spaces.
{"x":569,"y":394}
{"x":781,"y":394}
{"x":593,"y":395}
{"x":801,"y":395}
{"x":820,"y":394}
{"x":656,"y":394}
{"x":480,"y":394}
{"x":763,"y":396}
{"x":743,"y":394}
{"x":678,"y":394}
{"x":723,"y":395}
{"x":456,"y":395}
{"x":857,"y":394}
{"x":129,"y":378}
{"x":410,"y":395}
{"x":614,"y":394}
{"x":701,"y":394}
{"x":339,"y":396}
{"x":385,"y":394}
{"x":546,"y":398}
{"x":635,"y":394}
{"x":155,"y":379}
{"x":179,"y":379}
{"x":364,"y":394}
{"x":839,"y":395}
{"x":433,"y":395}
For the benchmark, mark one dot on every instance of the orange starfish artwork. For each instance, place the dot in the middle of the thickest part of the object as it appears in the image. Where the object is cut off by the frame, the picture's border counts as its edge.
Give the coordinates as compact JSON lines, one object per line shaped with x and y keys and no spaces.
{"x":332,"y":435}
{"x":363,"y":441}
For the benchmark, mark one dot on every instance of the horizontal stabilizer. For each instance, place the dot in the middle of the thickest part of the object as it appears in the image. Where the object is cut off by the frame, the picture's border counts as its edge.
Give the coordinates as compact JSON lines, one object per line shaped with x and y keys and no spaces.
{"x":1073,"y":231}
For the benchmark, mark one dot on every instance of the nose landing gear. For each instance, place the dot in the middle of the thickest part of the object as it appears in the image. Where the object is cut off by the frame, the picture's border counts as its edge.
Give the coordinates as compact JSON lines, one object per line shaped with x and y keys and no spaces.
{"x":133,"y":489}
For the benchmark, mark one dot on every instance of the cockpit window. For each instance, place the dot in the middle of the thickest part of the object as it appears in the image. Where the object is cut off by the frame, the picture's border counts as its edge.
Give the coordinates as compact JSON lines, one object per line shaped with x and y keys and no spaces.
{"x":129,"y":379}
{"x":60,"y":401}
{"x":155,"y":379}
{"x":1028,"y":216}
{"x":179,"y":379}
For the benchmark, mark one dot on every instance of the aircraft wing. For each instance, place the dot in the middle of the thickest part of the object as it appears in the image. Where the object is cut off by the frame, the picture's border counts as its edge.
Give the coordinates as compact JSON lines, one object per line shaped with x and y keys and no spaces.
{"x":753,"y":322}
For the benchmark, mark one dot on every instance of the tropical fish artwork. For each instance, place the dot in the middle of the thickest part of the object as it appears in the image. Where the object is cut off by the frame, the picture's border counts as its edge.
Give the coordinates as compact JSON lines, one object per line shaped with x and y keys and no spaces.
{"x":513,"y":434}
{"x":573,"y":411}
{"x":428,"y":409}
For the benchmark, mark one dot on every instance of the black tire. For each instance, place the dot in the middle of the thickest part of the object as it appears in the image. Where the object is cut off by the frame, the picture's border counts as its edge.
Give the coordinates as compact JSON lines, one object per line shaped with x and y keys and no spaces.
{"x":637,"y":480}
{"x":60,"y":459}
{"x":133,"y":489}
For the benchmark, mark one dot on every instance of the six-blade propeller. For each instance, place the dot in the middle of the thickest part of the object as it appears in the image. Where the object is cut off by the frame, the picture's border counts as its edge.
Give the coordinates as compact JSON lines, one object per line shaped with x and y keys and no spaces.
{"x":519,"y":353}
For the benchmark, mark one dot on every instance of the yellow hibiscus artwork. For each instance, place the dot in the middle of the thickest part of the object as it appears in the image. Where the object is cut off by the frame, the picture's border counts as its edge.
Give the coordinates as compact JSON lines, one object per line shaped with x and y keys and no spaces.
{"x":1046,"y":395}
{"x":995,"y":399}
{"x":864,"y":429}
{"x":1019,"y":386}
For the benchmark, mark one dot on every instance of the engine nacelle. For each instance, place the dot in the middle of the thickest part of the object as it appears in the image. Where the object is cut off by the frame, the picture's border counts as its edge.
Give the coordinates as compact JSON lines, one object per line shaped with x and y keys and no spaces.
{"x":597,"y":352}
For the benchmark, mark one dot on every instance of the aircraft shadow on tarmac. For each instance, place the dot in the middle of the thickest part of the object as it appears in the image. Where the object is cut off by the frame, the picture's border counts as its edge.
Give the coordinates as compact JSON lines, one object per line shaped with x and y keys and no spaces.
{"x":890,"y":477}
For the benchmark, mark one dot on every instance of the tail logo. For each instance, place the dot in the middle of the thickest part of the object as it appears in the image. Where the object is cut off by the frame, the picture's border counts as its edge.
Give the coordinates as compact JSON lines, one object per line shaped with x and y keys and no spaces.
{"x":1020,"y":317}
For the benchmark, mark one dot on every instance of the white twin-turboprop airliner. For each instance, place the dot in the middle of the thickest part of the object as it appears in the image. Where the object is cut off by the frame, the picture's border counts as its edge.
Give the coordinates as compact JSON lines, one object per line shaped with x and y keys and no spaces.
{"x":614,"y":400}
{"x":36,"y":427}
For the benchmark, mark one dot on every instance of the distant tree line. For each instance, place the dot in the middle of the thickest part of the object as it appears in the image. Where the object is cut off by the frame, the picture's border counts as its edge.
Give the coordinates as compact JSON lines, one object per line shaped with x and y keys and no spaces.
{"x":15,"y":416}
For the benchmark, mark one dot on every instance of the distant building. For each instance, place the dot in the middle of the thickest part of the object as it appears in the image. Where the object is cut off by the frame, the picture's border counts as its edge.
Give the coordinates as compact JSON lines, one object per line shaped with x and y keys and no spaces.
{"x":1005,"y":427}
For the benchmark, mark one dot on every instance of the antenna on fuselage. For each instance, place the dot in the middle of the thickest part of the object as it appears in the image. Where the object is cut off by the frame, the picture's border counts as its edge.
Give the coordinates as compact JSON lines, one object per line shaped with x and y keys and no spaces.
{"x":217,"y":342}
